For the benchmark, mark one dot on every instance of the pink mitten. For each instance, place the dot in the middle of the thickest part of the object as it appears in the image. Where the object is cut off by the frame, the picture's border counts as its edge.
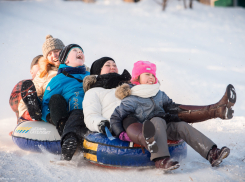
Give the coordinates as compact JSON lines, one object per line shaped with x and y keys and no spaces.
{"x":124,"y":137}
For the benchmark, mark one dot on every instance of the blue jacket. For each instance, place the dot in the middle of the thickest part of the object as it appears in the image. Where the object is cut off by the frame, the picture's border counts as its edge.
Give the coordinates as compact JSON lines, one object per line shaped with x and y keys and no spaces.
{"x":68,"y":87}
{"x":141,"y":108}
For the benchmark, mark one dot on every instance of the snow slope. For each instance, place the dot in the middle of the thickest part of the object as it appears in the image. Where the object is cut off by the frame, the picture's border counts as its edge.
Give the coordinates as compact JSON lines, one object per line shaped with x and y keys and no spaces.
{"x":197,"y":52}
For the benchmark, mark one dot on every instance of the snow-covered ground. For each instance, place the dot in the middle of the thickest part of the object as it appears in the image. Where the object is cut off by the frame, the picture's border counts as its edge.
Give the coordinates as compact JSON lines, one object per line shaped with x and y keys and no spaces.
{"x":197,"y":52}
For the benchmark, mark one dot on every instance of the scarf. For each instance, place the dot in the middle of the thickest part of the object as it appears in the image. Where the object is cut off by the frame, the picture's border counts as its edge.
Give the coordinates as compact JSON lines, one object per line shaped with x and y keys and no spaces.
{"x":112,"y":80}
{"x":145,"y":91}
{"x":73,"y":70}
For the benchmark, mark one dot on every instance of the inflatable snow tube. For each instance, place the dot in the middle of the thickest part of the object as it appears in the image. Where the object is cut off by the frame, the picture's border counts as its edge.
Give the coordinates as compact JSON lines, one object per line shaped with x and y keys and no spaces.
{"x":98,"y":149}
{"x":37,"y":135}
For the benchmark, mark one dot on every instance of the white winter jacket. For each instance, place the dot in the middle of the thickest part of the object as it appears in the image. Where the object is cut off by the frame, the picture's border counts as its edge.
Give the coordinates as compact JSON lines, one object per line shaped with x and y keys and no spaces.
{"x":98,"y":105}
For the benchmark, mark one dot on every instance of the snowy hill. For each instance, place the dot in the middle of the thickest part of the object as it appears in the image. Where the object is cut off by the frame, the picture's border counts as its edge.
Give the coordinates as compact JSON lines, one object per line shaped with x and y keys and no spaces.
{"x":197,"y":52}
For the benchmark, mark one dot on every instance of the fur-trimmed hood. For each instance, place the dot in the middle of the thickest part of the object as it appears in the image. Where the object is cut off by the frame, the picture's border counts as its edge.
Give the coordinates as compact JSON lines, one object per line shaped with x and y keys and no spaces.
{"x":123,"y":91}
{"x":88,"y":81}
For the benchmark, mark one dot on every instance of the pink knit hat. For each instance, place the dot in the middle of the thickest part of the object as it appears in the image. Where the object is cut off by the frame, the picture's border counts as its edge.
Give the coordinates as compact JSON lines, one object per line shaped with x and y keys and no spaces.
{"x":142,"y":67}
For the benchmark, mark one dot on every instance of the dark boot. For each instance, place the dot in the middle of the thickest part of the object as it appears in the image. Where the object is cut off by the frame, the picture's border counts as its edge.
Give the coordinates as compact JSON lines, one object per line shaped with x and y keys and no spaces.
{"x":29,"y":96}
{"x":145,"y":138}
{"x":74,"y":124}
{"x":215,"y":155}
{"x":166,"y":163}
{"x":61,"y":125}
{"x":222,"y":109}
{"x":69,"y":146}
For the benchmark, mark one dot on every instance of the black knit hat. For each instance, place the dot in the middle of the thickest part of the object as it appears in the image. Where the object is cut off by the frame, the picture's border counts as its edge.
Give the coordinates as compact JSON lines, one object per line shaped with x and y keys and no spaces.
{"x":35,"y":60}
{"x":98,"y":64}
{"x":65,"y":51}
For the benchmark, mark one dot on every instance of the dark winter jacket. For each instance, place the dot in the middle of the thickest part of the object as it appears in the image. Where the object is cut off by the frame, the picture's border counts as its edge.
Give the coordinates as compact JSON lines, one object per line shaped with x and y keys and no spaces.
{"x":70,"y":88}
{"x":142,"y":101}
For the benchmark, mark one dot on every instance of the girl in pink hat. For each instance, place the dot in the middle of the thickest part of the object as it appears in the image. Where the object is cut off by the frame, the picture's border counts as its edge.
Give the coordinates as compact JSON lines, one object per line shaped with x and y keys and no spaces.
{"x":147,"y":116}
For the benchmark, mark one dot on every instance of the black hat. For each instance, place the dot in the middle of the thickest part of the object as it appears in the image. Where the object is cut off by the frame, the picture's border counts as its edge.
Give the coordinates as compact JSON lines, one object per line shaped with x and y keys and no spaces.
{"x":65,"y":51}
{"x":98,"y":64}
{"x":35,"y":60}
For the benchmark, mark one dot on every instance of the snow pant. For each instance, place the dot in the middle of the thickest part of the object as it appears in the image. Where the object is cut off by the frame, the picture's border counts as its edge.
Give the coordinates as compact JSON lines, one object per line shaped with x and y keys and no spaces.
{"x":176,"y":131}
{"x":58,"y":109}
{"x":65,"y":122}
{"x":75,"y":124}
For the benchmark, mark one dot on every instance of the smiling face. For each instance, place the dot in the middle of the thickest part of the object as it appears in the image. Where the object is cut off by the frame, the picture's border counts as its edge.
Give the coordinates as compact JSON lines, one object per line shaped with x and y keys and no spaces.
{"x":75,"y":57}
{"x":147,"y":78}
{"x":53,"y":57}
{"x":109,"y":67}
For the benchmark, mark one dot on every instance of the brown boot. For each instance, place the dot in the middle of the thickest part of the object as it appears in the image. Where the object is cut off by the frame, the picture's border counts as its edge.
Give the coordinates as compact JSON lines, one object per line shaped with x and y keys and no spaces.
{"x":222,"y":109}
{"x":134,"y":131}
{"x":215,"y":155}
{"x":167,"y":164}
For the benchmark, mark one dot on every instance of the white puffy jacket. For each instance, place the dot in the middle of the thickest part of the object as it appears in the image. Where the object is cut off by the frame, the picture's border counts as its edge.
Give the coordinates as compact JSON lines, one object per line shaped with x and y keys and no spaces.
{"x":98,"y":105}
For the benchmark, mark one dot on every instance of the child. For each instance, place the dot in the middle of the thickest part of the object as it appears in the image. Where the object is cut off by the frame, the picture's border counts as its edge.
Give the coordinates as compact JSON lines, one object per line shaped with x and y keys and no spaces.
{"x":67,"y":89}
{"x":15,"y":95}
{"x":147,"y":104}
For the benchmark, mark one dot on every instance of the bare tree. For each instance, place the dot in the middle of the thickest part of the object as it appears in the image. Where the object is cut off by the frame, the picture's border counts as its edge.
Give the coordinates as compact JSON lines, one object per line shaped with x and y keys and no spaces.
{"x":164,"y":4}
{"x":190,"y":5}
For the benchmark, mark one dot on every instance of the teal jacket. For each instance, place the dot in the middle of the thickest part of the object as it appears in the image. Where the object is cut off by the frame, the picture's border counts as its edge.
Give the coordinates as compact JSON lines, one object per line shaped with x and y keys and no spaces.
{"x":70,"y":88}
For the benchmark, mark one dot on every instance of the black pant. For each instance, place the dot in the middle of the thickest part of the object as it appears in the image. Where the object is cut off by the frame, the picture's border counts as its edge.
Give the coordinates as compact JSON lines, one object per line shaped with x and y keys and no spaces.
{"x":65,"y":122}
{"x":75,"y":124}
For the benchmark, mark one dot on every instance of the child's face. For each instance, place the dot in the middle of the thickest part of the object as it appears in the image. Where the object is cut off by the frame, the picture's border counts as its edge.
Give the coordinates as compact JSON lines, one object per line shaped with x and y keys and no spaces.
{"x":53,"y":57}
{"x":75,"y":57}
{"x":147,"y":78}
{"x":109,"y":67}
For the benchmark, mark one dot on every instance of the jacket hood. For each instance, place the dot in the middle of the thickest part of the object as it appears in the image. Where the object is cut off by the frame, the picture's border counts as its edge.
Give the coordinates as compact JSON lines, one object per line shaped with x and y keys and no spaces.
{"x":88,"y":81}
{"x":123,"y":91}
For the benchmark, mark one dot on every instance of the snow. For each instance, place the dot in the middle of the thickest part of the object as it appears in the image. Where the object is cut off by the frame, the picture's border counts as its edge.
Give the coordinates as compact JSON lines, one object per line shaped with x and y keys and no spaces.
{"x":198,"y":53}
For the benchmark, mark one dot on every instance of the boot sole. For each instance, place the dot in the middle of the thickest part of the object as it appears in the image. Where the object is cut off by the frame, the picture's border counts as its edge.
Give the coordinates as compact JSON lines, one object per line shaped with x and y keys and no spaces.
{"x":225,"y":153}
{"x":69,"y":147}
{"x":231,"y":94}
{"x":149,"y":132}
{"x":176,"y":166}
{"x":29,"y":96}
{"x":229,"y":113}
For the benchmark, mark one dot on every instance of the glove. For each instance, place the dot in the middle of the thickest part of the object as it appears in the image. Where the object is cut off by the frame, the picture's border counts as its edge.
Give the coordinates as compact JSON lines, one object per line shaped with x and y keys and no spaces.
{"x":102,"y":125}
{"x":171,"y":118}
{"x":124,"y":137}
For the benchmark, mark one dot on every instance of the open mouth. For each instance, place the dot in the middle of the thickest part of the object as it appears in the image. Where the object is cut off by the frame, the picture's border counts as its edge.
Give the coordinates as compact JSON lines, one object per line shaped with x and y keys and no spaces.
{"x":79,"y":57}
{"x":55,"y":60}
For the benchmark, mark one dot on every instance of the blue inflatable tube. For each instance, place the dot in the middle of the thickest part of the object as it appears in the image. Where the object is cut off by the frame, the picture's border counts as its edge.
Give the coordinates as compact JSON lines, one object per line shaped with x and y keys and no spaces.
{"x":37,"y":136}
{"x":100,"y":150}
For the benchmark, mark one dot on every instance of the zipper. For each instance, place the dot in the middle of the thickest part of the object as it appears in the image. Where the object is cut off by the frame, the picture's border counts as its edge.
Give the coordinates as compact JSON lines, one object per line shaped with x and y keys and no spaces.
{"x":69,"y":105}
{"x":154,"y":106}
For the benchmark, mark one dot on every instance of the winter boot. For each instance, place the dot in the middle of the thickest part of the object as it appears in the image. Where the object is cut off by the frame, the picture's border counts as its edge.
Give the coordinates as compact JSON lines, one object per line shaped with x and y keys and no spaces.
{"x":215,"y":155}
{"x":145,"y":138}
{"x":166,"y":163}
{"x":61,"y":125}
{"x":29,"y":96}
{"x":222,"y":109}
{"x":69,"y":146}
